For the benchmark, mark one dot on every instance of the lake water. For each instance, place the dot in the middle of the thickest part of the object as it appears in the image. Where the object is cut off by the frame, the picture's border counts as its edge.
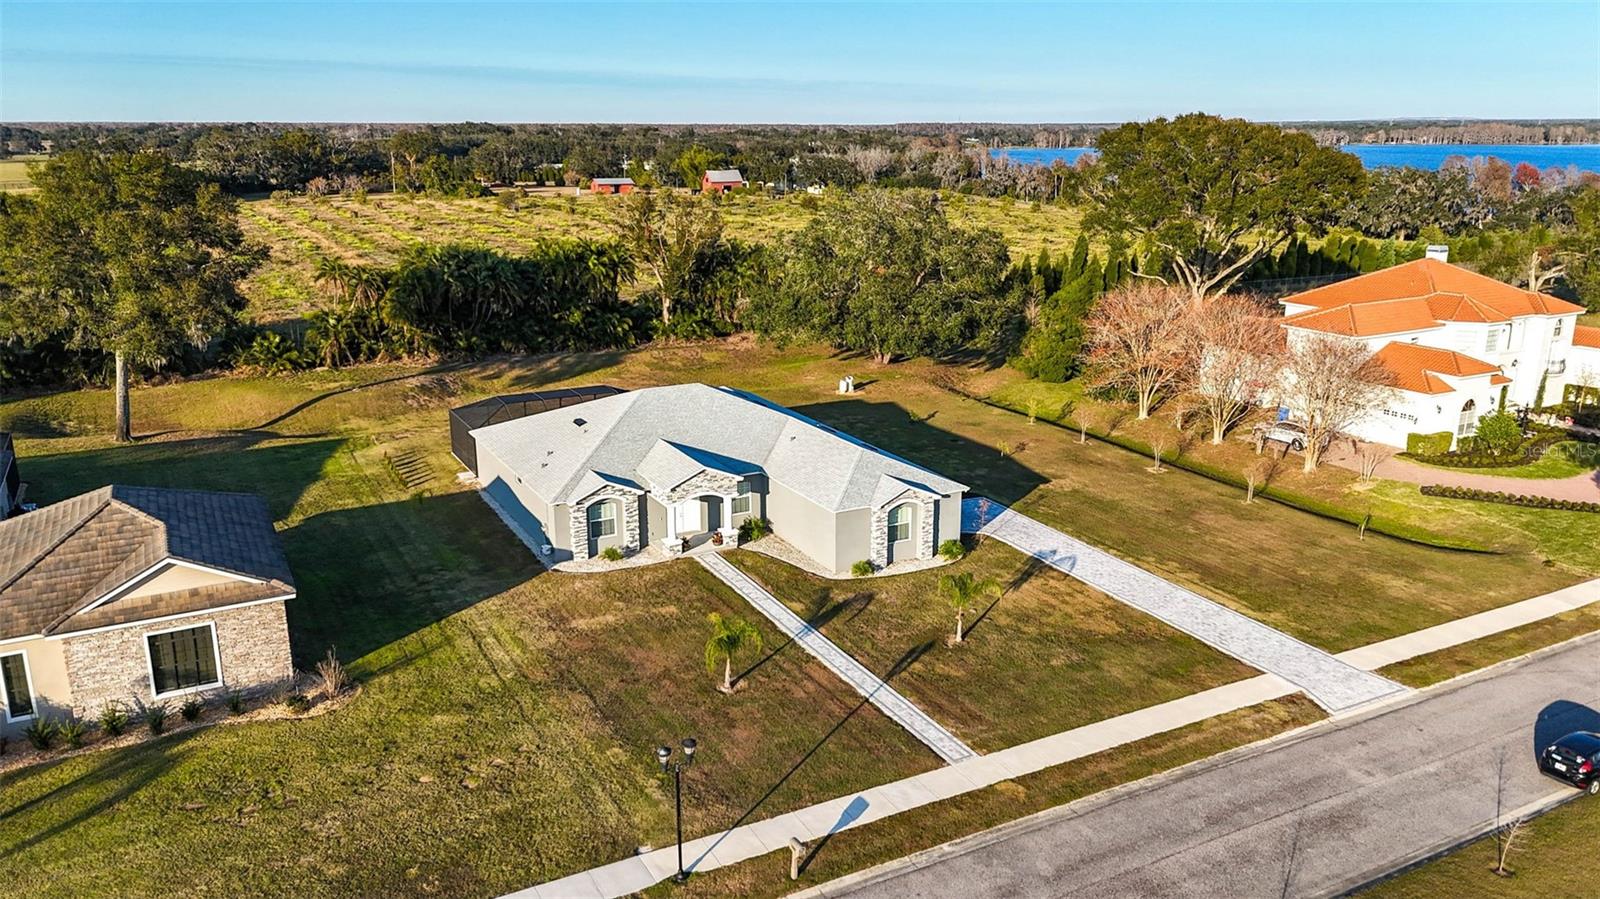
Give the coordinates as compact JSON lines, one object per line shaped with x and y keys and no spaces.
{"x":1422,"y":156}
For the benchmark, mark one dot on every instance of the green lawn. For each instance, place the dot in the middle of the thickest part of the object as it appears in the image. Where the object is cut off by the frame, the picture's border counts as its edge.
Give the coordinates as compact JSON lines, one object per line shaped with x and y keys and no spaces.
{"x":14,"y":172}
{"x":1554,"y":856}
{"x":1050,"y":655}
{"x":504,"y":730}
{"x":1554,"y":464}
{"x":502,"y":734}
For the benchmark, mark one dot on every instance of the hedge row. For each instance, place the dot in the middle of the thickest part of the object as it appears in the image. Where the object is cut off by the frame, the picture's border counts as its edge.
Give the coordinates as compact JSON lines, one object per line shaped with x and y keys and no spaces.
{"x":1510,"y":499}
{"x":1388,"y":527}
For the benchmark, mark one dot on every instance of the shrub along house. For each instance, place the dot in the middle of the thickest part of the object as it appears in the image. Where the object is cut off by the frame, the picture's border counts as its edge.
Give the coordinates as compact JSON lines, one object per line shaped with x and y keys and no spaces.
{"x":1458,"y":344}
{"x":673,"y":465}
{"x":139,"y":595}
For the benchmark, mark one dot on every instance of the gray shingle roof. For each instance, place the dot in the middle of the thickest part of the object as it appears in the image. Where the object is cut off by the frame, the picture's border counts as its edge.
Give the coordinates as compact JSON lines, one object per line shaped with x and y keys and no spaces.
{"x":724,"y":175}
{"x":653,"y":436}
{"x":57,"y":560}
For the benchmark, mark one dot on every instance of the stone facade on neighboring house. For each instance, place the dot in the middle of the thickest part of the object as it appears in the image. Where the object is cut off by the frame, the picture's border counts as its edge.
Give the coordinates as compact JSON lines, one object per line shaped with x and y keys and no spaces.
{"x":628,"y":527}
{"x":113,"y":665}
{"x":115,"y":594}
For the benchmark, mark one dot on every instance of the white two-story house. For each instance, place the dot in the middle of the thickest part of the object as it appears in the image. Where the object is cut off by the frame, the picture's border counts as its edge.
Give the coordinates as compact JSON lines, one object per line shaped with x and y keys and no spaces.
{"x":1458,"y":344}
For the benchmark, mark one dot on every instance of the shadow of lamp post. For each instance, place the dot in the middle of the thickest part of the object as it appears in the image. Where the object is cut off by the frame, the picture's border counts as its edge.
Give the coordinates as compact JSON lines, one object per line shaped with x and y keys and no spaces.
{"x":675,"y":768}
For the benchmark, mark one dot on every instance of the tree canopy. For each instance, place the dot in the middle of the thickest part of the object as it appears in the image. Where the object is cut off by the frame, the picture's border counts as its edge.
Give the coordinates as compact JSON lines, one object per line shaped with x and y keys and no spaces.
{"x":1211,"y":196}
{"x":125,"y":253}
{"x":885,"y":272}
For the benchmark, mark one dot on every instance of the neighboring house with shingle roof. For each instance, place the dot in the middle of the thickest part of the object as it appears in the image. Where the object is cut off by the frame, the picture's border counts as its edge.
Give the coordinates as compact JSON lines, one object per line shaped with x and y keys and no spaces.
{"x":137,"y":594}
{"x":1457,"y":344}
{"x":669,"y":464}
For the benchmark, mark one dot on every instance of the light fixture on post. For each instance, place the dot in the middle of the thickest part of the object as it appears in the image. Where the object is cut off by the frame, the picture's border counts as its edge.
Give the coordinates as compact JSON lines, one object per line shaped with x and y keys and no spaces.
{"x":668,"y":766}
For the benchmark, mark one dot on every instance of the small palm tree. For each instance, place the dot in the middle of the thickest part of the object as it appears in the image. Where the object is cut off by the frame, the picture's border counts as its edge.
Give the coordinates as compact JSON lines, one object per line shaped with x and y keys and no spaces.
{"x":730,"y":636}
{"x":960,"y":590}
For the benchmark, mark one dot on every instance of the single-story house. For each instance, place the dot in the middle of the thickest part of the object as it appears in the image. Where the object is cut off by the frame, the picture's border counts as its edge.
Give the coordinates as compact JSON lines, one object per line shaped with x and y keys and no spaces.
{"x":672,"y":465}
{"x":138,"y":595}
{"x":611,"y":185}
{"x":10,"y":478}
{"x":1457,"y":344}
{"x":722,"y":181}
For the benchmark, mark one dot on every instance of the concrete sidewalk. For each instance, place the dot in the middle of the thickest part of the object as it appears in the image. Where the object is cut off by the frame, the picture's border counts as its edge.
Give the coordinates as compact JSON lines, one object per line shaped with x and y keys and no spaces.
{"x":886,"y":698}
{"x":772,"y":834}
{"x":1335,"y":685}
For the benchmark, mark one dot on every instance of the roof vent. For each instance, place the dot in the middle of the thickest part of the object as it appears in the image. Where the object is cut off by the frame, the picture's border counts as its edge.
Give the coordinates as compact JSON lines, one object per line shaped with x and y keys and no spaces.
{"x":579,"y":422}
{"x":1439,"y":252}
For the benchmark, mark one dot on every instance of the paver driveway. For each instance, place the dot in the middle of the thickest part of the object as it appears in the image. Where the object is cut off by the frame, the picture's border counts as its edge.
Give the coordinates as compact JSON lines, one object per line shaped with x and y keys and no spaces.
{"x":1334,"y":685}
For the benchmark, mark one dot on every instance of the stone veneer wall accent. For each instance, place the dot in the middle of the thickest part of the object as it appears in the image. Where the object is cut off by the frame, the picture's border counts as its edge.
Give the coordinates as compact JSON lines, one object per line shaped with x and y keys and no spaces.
{"x":926,"y":506}
{"x":717,"y":482}
{"x":578,"y":519}
{"x":252,"y":648}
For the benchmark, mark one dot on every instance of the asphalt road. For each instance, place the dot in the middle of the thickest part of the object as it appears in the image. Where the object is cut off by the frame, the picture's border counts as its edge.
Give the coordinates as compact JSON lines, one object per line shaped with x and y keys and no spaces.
{"x":1311,"y":816}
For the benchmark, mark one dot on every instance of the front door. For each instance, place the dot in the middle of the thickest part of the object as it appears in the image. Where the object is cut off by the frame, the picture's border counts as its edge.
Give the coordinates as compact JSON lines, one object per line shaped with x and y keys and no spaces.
{"x":689,"y":518}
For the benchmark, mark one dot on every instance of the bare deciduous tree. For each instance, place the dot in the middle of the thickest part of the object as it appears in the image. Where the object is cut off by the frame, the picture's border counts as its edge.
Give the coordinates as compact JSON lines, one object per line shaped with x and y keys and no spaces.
{"x":1506,"y":833}
{"x":1369,"y":456}
{"x":870,"y":161}
{"x":1138,"y":342}
{"x":1332,"y":383}
{"x":1258,"y":475}
{"x":1238,"y":353}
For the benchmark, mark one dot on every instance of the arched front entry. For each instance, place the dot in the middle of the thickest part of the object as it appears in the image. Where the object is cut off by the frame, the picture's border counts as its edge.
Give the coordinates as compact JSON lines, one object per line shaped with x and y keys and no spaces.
{"x":698,"y":515}
{"x":1468,"y":422}
{"x":903,"y":530}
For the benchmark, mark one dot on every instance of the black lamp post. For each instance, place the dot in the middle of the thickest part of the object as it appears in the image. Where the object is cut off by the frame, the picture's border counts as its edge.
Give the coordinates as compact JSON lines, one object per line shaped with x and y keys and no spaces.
{"x":664,"y":756}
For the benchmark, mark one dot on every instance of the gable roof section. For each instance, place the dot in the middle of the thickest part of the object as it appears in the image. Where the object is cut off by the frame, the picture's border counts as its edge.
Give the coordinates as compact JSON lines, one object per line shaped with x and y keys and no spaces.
{"x":1414,"y":296}
{"x":1586,"y":336}
{"x":667,"y":434}
{"x":1418,"y":368}
{"x":723,"y":176}
{"x":57,"y":561}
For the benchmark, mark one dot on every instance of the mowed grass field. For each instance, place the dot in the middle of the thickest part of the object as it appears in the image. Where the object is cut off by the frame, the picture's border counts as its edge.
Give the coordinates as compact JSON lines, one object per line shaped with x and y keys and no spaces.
{"x":14,"y":172}
{"x":503,"y":732}
{"x":376,"y":230}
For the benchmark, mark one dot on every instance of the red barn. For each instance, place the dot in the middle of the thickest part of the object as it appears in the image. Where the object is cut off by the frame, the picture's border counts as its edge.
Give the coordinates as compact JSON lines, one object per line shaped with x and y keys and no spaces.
{"x":722,"y":180}
{"x":611,"y":186}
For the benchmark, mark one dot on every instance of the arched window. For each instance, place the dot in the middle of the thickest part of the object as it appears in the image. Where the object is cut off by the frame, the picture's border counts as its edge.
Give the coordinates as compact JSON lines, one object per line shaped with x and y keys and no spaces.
{"x":603,"y":519}
{"x":900,"y":523}
{"x":1468,"y":422}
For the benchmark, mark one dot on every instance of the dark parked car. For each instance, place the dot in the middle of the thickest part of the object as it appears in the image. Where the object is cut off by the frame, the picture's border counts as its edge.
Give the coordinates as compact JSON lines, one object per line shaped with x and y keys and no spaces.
{"x":1575,"y":758}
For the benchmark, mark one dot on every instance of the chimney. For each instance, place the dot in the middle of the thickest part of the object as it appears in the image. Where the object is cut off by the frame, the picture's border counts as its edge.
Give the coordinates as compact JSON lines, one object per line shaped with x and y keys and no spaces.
{"x":1439,"y":251}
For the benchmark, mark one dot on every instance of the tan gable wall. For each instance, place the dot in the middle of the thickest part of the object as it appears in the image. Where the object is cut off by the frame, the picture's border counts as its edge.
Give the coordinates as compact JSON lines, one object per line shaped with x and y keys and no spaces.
{"x":172,"y":578}
{"x":252,"y":644}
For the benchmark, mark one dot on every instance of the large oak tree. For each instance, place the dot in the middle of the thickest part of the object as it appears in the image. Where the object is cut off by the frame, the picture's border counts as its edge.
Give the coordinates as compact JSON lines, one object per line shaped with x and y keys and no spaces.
{"x":1209,"y":196}
{"x":886,"y":273}
{"x":125,"y":253}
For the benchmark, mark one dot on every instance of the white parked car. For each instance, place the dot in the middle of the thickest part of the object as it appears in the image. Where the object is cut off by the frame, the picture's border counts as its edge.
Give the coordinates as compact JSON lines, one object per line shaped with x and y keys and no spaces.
{"x":1288,"y":433}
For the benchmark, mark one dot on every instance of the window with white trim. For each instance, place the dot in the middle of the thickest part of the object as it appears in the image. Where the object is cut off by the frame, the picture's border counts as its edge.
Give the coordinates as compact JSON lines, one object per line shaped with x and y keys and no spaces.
{"x":741,"y":502}
{"x":1559,"y":323}
{"x":1468,"y":422}
{"x":603,"y":519}
{"x":184,"y":659}
{"x":18,"y":686}
{"x":900,"y":523}
{"x":1492,"y":344}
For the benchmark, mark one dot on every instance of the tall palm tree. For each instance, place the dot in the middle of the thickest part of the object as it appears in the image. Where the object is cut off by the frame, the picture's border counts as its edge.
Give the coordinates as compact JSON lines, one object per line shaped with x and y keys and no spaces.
{"x":730,"y":636}
{"x":960,"y":590}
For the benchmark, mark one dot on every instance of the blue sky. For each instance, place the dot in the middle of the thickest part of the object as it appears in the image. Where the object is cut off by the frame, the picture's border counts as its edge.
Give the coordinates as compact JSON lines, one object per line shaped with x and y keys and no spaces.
{"x":814,"y":62}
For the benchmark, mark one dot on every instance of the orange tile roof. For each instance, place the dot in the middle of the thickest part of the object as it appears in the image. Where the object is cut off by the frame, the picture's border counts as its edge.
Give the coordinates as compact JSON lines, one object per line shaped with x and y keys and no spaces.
{"x":1427,"y":287}
{"x":1417,"y":368}
{"x":1368,"y":319}
{"x":1586,"y":335}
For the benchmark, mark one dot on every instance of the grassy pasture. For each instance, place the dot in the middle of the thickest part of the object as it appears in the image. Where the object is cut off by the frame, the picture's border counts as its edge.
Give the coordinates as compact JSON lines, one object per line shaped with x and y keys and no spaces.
{"x":379,"y":228}
{"x":14,"y":172}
